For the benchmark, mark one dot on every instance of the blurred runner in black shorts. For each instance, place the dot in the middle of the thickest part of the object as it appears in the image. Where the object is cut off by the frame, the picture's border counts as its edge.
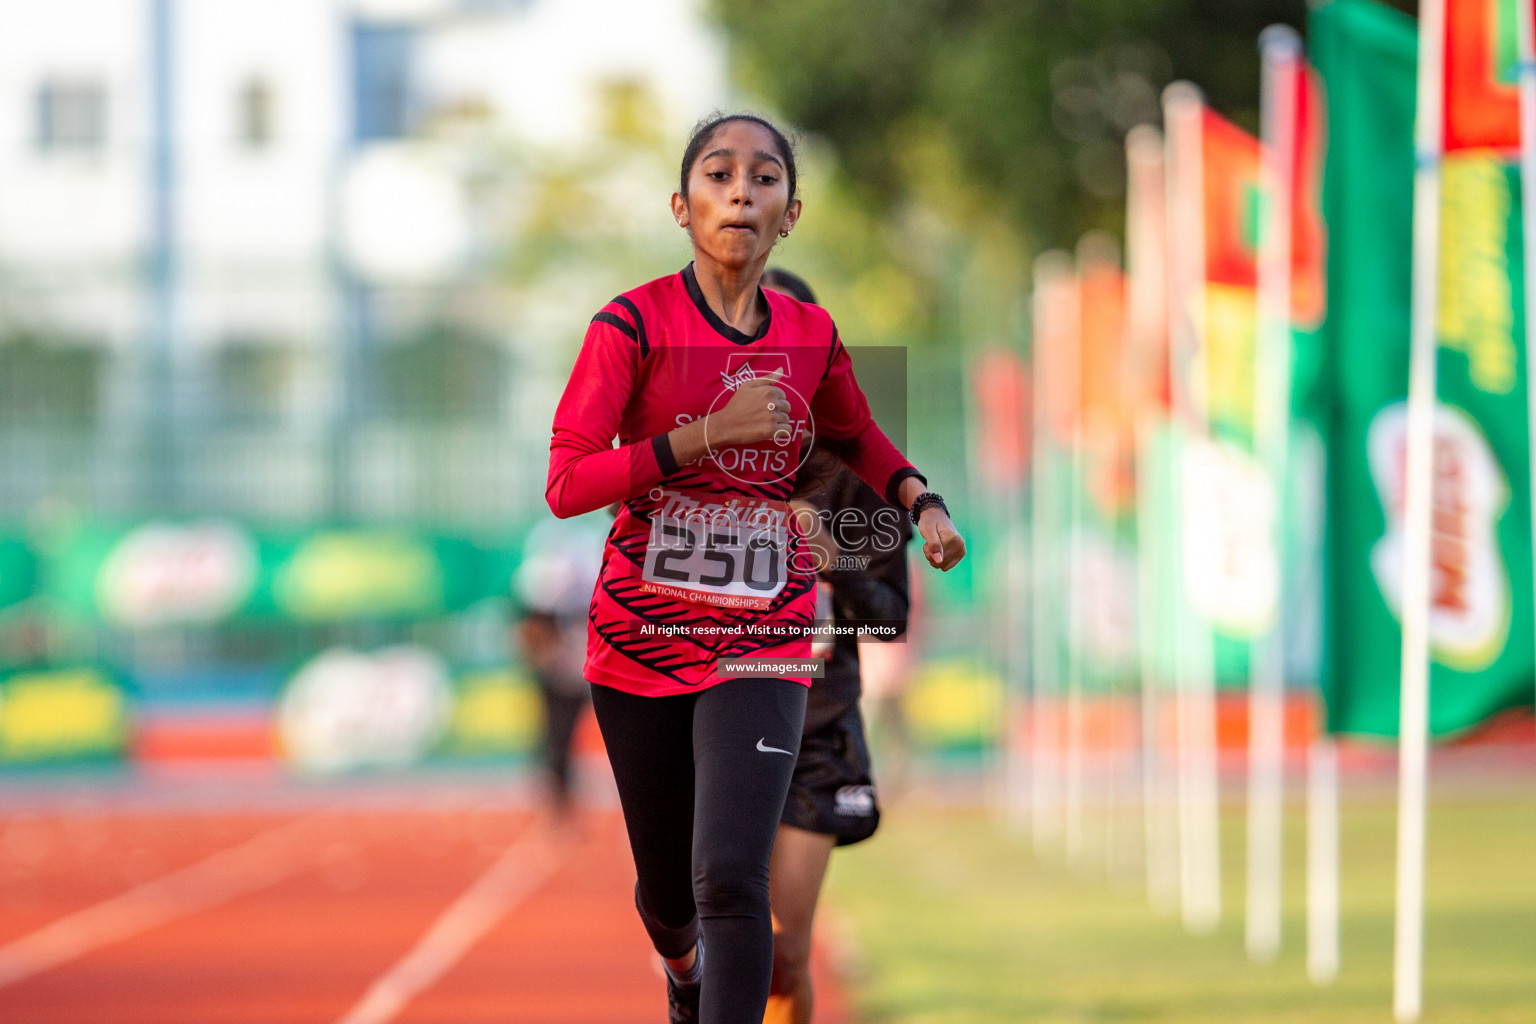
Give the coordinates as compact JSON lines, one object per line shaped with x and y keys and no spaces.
{"x":832,"y":800}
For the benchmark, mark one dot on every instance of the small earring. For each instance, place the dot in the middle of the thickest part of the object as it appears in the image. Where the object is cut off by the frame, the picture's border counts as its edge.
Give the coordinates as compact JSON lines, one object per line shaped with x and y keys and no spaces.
{"x":784,"y":233}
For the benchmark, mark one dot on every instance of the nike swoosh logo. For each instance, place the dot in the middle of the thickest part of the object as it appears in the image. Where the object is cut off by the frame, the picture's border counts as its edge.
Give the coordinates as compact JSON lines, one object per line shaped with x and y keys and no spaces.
{"x":772,"y":750}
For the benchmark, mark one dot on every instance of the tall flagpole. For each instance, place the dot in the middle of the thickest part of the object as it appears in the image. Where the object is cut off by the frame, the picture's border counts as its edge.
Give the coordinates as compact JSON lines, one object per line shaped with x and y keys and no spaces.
{"x":1074,"y":790}
{"x":1146,"y":309}
{"x":1527,"y":51}
{"x":1041,"y":675}
{"x":1280,"y":48}
{"x":1051,"y":274}
{"x":1413,"y":723}
{"x":1199,"y":806}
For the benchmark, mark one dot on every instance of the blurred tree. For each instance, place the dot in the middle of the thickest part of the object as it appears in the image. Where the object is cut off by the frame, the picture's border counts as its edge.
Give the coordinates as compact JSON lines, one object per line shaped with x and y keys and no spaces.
{"x":1028,"y":101}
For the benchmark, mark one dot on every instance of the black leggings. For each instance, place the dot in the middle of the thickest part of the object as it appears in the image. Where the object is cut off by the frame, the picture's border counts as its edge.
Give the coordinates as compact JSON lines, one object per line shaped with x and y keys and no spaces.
{"x":702,"y":779}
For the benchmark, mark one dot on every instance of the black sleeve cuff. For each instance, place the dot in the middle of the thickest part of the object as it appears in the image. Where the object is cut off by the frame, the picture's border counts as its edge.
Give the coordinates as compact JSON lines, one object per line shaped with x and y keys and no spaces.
{"x":893,"y":485}
{"x":662,"y":446}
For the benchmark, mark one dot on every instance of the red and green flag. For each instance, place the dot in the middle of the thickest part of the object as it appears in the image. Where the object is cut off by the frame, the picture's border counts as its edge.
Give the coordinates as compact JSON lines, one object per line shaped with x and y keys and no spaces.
{"x":1230,"y":570}
{"x":1481,"y":661}
{"x":1233,"y":209}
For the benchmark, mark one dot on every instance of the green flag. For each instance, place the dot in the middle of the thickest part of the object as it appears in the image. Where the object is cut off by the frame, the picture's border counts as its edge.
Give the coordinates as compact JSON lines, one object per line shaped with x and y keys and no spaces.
{"x":1481,"y":547}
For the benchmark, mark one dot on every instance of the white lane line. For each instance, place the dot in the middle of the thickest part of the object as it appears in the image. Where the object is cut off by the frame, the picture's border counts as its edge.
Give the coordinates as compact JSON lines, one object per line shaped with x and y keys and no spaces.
{"x":255,"y":864}
{"x":516,"y":874}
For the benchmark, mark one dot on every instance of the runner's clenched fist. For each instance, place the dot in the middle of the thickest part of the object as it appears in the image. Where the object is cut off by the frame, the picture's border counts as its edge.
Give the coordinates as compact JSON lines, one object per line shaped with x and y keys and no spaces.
{"x":758,"y":411}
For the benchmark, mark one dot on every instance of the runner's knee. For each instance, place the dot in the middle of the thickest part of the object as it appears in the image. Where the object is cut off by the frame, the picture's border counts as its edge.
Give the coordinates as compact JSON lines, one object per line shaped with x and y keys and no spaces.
{"x":731,"y":885}
{"x":791,"y":961}
{"x":670,"y":940}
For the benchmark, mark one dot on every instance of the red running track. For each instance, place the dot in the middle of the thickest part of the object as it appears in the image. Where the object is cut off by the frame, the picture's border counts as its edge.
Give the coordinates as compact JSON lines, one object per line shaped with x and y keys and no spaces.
{"x":466,"y":914}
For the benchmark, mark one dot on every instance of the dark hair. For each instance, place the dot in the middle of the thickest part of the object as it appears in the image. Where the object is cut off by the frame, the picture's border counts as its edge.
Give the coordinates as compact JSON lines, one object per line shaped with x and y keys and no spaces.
{"x":782,"y":280}
{"x":705,"y":130}
{"x":818,"y":468}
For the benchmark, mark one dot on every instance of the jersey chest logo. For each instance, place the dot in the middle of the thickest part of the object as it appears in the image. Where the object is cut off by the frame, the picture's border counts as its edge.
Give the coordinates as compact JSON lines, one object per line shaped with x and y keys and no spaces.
{"x":741,"y":367}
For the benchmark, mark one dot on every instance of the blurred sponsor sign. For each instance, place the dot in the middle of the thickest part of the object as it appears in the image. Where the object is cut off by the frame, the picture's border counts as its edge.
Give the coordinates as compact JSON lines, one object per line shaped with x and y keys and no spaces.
{"x":204,"y":573}
{"x":495,"y":712}
{"x":1231,"y":570}
{"x":61,"y":714}
{"x":1106,"y":599}
{"x":352,"y":574}
{"x":348,"y":709}
{"x":163,"y":573}
{"x":954,"y":706}
{"x":1470,"y":606}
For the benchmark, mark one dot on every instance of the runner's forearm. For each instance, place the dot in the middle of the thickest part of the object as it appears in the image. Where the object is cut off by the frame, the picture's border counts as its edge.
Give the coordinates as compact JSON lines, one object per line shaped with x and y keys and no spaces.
{"x":688,"y":441}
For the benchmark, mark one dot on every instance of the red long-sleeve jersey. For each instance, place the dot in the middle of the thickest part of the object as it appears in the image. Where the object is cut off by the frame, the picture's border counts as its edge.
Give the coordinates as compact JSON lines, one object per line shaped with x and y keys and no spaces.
{"x":701,"y":561}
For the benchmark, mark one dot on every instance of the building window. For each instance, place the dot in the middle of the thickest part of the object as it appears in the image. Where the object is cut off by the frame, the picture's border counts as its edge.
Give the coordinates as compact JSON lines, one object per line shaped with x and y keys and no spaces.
{"x":254,"y":378}
{"x":256,"y":114}
{"x":49,"y":379}
{"x":381,"y":81}
{"x":442,"y":372}
{"x":71,"y":115}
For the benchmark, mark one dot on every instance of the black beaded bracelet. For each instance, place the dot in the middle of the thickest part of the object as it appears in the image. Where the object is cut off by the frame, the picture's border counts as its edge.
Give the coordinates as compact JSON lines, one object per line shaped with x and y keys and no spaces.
{"x":926,"y":500}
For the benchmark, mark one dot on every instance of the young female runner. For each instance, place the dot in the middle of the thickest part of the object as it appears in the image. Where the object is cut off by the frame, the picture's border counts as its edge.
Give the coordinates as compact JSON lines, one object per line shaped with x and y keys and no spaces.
{"x":709,"y":385}
{"x":861,"y":554}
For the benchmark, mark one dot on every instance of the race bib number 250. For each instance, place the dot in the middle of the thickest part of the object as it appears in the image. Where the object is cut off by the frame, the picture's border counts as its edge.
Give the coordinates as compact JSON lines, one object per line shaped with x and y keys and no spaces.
{"x":730,"y":553}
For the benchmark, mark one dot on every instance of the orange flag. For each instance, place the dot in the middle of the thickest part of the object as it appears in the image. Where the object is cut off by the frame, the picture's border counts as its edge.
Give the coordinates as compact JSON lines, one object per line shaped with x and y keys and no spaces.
{"x":1232,"y":195}
{"x":1232,"y":202}
{"x":1482,"y":103}
{"x":1106,"y":415}
{"x":1002,"y":387}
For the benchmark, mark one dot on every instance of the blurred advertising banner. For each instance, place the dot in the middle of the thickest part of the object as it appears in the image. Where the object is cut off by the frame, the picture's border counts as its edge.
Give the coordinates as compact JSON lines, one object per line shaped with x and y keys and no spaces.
{"x":62,"y":715}
{"x":397,"y":706}
{"x":1481,"y":541}
{"x":205,"y":572}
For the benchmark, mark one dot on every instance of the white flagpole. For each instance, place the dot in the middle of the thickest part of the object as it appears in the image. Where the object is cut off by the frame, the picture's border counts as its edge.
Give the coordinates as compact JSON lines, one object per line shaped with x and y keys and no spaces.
{"x":1280,"y":48}
{"x":1413,"y":724}
{"x":1015,"y":598}
{"x":1160,"y":827}
{"x":1147,"y":308}
{"x":1041,"y":640}
{"x":1096,"y":770}
{"x":1323,"y":860}
{"x":1075,"y":593}
{"x":1050,"y":274}
{"x":1527,"y":51}
{"x":1199,"y":804}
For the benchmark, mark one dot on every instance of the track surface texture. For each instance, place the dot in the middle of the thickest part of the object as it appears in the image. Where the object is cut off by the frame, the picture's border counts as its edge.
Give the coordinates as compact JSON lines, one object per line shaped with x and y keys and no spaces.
{"x":449,"y":908}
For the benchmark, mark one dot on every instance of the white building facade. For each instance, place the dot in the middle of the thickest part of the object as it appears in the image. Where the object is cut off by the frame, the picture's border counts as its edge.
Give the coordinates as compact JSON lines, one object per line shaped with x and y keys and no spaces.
{"x":231,"y":200}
